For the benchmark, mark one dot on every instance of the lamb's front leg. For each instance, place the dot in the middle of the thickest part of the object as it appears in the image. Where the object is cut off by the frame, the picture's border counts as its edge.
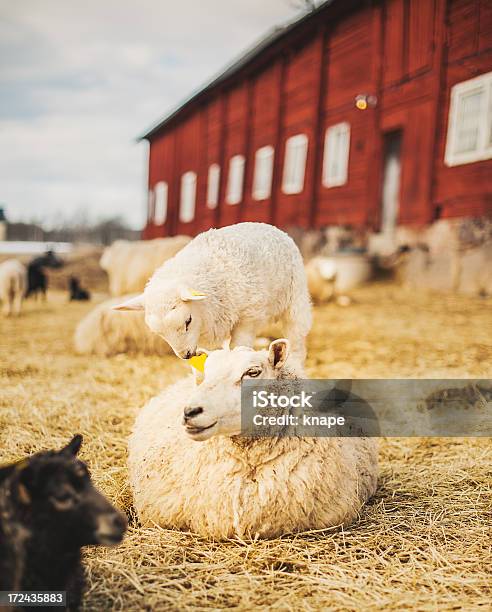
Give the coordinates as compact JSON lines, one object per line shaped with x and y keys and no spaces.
{"x":18,"y":304}
{"x":243,"y":334}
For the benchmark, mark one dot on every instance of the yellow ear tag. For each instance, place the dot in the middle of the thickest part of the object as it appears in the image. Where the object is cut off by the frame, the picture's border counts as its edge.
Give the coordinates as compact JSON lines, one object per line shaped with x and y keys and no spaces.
{"x":198,"y":362}
{"x":197,"y":293}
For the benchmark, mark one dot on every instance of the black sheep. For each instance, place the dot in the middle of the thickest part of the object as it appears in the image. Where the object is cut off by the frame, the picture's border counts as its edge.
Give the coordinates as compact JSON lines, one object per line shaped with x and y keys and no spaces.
{"x":49,"y":509}
{"x":76,"y":291}
{"x":36,"y":278}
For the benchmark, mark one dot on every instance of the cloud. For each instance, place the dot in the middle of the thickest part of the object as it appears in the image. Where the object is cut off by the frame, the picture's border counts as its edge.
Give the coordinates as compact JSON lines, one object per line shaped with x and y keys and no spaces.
{"x":79,"y":81}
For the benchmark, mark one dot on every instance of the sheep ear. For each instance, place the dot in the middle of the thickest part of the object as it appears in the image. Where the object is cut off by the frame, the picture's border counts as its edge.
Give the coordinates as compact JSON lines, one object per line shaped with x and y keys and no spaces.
{"x":135,"y":303}
{"x":22,"y":482}
{"x":23,"y":494}
{"x":191,"y":295}
{"x":73,"y":447}
{"x":278,"y":352}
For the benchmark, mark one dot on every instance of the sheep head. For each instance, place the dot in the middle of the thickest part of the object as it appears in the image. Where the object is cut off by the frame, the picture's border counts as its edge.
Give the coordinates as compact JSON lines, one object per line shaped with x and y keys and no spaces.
{"x":214,"y":407}
{"x":173,"y":312}
{"x":54,"y":494}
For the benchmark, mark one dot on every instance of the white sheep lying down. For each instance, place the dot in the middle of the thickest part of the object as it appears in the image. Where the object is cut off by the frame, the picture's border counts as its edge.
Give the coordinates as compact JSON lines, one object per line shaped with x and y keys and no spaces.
{"x":205,"y":477}
{"x":13,"y":285}
{"x":129,"y":265}
{"x":228,"y":283}
{"x":321,"y":273}
{"x":106,"y":332}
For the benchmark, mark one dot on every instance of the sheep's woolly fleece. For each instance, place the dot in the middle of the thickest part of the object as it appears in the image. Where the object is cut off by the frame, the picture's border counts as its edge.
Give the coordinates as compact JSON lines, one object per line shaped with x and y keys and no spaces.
{"x":224,"y":487}
{"x":422,"y":543}
{"x":252,"y":275}
{"x":13,"y":285}
{"x":129,"y":265}
{"x":104,"y":331}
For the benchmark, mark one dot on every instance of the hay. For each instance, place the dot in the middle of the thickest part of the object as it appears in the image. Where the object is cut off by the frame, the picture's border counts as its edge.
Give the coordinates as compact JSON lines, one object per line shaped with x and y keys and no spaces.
{"x":423,"y":543}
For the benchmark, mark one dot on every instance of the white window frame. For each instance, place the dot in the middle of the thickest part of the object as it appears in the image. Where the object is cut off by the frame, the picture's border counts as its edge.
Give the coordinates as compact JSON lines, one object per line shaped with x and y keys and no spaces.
{"x":213,"y":185}
{"x":263,"y":173}
{"x":187,"y":197}
{"x":160,"y":202}
{"x":336,"y":154}
{"x":296,"y":149}
{"x":484,"y":122}
{"x":235,"y":179}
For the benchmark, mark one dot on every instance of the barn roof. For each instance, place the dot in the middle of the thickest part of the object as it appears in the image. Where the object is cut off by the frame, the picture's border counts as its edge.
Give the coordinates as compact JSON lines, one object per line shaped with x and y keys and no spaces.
{"x":274,"y":36}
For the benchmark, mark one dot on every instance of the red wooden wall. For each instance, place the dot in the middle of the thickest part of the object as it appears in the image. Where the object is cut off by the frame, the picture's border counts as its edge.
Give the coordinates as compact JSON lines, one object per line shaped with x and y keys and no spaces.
{"x":407,"y":53}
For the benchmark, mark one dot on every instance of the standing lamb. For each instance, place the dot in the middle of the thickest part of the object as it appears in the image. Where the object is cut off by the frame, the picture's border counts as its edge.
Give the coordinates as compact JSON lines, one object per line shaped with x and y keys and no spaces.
{"x":207,"y":478}
{"x":49,"y":510}
{"x":13,"y":286}
{"x":226,"y":284}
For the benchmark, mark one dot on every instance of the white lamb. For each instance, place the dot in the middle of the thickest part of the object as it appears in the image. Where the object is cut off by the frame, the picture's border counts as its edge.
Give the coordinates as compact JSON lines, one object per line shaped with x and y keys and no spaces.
{"x":321,"y":274}
{"x":228,"y":283}
{"x":207,"y":478}
{"x":105,"y":332}
{"x":13,"y":285}
{"x":129,"y":265}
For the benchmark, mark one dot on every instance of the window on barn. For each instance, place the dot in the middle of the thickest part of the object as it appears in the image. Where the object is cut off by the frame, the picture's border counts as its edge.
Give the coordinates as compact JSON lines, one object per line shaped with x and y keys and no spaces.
{"x":150,"y":205}
{"x":235,"y":180}
{"x":213,"y":185}
{"x":336,"y":155}
{"x":469,"y":136}
{"x":262,"y":181}
{"x":295,"y":163}
{"x":160,"y":206}
{"x":188,"y":197}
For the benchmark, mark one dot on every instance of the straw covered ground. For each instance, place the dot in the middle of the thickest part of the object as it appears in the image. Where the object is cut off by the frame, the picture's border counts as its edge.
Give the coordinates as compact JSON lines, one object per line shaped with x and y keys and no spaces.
{"x":423,"y":543}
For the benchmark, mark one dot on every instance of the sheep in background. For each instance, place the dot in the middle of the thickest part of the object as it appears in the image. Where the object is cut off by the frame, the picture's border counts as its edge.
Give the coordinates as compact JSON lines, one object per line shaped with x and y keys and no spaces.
{"x":37,"y":281}
{"x":330,"y":277}
{"x":77,"y":293}
{"x":49,"y":509}
{"x":13,"y":286}
{"x":228,"y":283}
{"x":320,"y":273}
{"x":207,"y":478}
{"x":106,"y":332}
{"x":129,"y":265}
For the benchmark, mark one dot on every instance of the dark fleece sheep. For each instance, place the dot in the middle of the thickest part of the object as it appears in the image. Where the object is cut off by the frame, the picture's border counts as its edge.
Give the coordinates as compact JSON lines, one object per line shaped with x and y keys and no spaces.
{"x":36,"y":277}
{"x":49,"y":509}
{"x":77,"y":293}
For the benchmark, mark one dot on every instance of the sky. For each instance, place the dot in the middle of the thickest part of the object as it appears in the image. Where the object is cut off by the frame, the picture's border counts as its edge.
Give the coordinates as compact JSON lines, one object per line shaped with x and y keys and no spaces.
{"x":80,"y":81}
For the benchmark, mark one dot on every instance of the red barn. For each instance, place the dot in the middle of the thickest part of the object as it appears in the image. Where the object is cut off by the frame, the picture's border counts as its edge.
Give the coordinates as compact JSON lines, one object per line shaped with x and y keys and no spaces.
{"x":370,"y":114}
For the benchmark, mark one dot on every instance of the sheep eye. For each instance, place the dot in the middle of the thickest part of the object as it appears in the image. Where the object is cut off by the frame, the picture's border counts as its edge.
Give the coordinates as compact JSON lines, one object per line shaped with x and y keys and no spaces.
{"x":187,"y":323}
{"x":63,"y":501}
{"x":252,"y":373}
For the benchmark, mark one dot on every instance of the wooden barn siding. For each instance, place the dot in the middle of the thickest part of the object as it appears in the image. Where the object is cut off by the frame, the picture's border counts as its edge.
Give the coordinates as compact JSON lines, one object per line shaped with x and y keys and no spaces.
{"x":208,"y":151}
{"x":349,"y":72}
{"x":403,"y":51}
{"x":299,"y":117}
{"x":161,"y":168}
{"x":465,"y":189}
{"x":264,"y":110}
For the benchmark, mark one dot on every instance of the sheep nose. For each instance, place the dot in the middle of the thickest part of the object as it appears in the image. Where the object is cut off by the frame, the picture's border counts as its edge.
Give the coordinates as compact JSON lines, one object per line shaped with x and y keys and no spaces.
{"x":119,"y":522}
{"x":192,"y":411}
